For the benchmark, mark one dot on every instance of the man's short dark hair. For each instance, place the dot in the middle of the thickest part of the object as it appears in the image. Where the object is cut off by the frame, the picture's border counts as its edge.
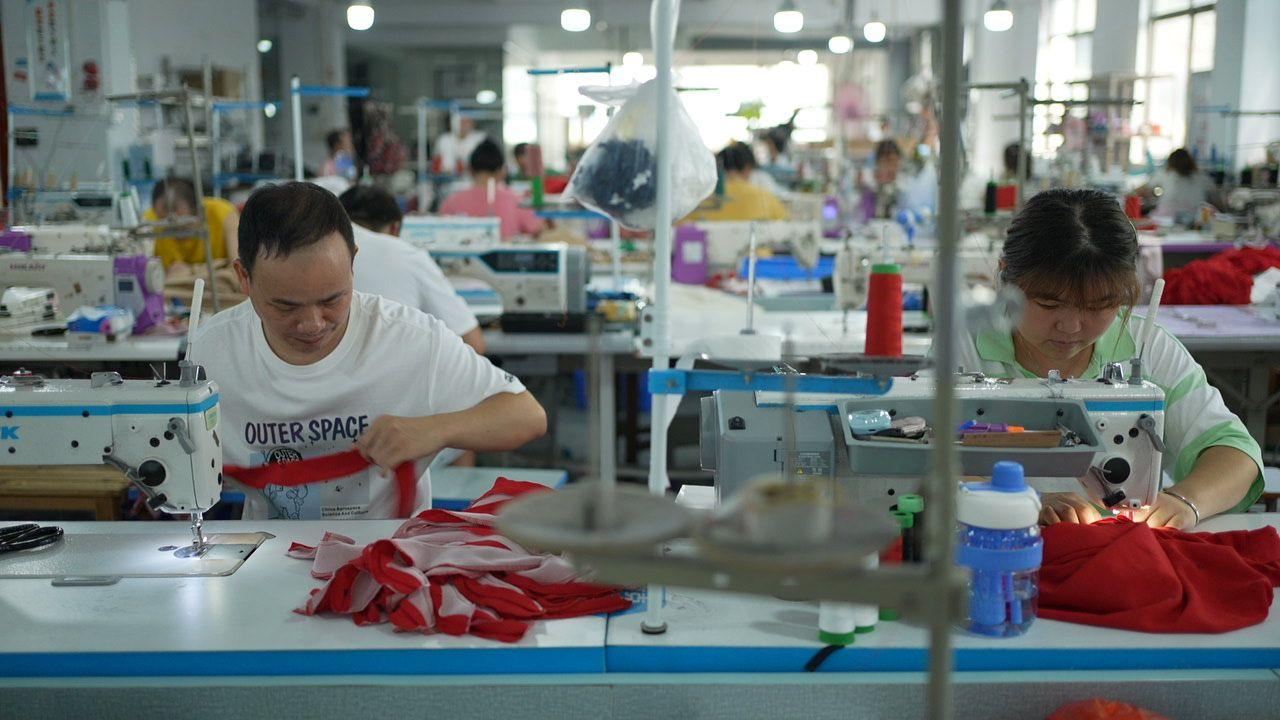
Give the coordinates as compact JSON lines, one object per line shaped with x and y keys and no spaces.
{"x":334,"y":139}
{"x":371,"y":207}
{"x":279,"y":220}
{"x":487,"y":157}
{"x":519,"y":150}
{"x":182,"y":189}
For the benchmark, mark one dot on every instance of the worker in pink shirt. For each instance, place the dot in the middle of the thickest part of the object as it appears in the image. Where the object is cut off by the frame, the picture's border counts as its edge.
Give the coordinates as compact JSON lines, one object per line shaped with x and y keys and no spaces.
{"x":489,"y":195}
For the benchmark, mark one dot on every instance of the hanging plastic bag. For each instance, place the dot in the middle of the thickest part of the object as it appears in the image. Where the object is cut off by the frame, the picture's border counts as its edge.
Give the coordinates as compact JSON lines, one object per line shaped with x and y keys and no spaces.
{"x":618,"y":174}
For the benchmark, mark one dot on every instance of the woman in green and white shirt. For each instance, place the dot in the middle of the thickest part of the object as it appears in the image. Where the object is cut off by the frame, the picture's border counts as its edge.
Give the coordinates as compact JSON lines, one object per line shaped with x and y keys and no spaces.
{"x":1074,"y":254}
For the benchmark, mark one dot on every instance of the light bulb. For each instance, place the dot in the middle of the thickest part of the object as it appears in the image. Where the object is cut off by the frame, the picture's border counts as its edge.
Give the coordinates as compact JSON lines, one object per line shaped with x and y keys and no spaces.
{"x":575,"y":19}
{"x":874,"y":31}
{"x":632,"y":59}
{"x":788,"y":19}
{"x":269,"y":110}
{"x":264,"y":45}
{"x":807,"y":57}
{"x":360,"y":16}
{"x":486,"y":97}
{"x":999,"y":18}
{"x":840,"y":44}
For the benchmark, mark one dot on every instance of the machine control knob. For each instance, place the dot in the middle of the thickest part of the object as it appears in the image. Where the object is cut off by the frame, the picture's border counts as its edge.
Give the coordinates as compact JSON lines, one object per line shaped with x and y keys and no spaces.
{"x":1147,"y":424}
{"x":155,"y":502}
{"x":151,"y":473}
{"x":737,"y":423}
{"x":1116,"y":470}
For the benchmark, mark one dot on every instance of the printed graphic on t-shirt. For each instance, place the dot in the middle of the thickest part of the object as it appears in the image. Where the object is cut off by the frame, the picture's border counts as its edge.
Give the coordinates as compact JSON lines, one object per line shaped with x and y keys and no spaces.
{"x":347,"y":497}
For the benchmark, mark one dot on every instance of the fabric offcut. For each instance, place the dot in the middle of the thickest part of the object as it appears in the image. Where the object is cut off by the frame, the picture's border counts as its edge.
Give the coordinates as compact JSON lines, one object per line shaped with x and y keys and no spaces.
{"x":451,"y":572}
{"x":1121,"y":574}
{"x":323,"y":469}
{"x":1224,"y":279}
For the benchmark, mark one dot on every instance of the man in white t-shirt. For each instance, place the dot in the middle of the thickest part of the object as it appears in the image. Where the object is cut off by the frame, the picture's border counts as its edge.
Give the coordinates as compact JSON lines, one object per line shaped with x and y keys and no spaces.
{"x":394,"y":269}
{"x":309,"y":368}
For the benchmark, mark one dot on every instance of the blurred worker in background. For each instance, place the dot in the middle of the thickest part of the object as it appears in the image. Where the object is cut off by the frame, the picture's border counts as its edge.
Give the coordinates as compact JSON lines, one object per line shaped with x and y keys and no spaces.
{"x":489,"y":195}
{"x":882,"y":192}
{"x":177,"y":197}
{"x":342,"y":155}
{"x":1011,"y":163}
{"x":755,"y":175}
{"x":741,"y":200}
{"x":1182,"y":189}
{"x":523,"y":158}
{"x":453,"y":148}
{"x":394,"y":269}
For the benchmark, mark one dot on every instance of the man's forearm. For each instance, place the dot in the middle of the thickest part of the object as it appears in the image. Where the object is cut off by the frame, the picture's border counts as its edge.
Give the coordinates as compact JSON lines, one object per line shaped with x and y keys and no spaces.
{"x":502,"y":422}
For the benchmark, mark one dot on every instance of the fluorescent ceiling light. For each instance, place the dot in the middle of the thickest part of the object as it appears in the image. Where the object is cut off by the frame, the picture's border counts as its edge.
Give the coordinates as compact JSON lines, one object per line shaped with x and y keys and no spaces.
{"x":264,"y":45}
{"x":807,"y":57}
{"x":999,"y":18}
{"x":874,"y":31}
{"x":840,"y":44}
{"x":575,"y":19}
{"x":788,"y":19}
{"x":360,"y":15}
{"x":486,"y":97}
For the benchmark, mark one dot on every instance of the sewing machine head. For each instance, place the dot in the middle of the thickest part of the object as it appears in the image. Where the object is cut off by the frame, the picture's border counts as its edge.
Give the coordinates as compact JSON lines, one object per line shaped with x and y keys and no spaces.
{"x":542,"y":286}
{"x":1107,"y":433}
{"x":162,"y":435}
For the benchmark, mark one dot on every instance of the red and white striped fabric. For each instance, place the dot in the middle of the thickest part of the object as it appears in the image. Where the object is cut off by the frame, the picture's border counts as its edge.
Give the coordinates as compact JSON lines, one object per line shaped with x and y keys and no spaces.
{"x":451,"y":572}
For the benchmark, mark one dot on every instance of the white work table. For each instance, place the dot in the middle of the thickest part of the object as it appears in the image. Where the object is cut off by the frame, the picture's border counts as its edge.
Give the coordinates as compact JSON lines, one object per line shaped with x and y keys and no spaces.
{"x":698,"y":312}
{"x":244,"y":624}
{"x":138,"y":348}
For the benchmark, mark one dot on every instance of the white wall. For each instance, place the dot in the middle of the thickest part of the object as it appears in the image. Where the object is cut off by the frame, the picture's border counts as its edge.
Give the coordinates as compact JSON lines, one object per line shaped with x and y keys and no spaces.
{"x":1115,"y":36}
{"x":1245,"y":77}
{"x":998,"y":57}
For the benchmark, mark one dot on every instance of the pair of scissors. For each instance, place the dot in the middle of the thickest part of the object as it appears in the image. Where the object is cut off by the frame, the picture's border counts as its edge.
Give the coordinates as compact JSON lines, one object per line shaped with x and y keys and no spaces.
{"x":27,"y":537}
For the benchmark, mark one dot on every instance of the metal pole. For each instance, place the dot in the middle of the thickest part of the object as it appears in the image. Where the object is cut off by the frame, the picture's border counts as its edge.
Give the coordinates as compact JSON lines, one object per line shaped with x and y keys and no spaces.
{"x":942,"y":485}
{"x":296,"y":99}
{"x":199,"y":208}
{"x":215,"y":154}
{"x":421,"y":155}
{"x":615,"y":249}
{"x":1023,"y":90}
{"x":665,"y":13}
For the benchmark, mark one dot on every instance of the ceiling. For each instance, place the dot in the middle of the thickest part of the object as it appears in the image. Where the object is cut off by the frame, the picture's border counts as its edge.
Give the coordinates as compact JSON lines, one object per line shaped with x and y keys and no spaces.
{"x":624,"y":24}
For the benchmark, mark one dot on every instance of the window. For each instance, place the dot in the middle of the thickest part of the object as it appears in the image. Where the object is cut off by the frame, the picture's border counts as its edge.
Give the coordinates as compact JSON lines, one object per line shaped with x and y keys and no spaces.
{"x":1179,"y":44}
{"x":1063,"y":61}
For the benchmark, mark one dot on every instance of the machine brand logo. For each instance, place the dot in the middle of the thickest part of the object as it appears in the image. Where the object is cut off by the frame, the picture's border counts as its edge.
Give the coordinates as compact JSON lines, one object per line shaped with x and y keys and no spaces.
{"x":19,"y":265}
{"x":9,"y":432}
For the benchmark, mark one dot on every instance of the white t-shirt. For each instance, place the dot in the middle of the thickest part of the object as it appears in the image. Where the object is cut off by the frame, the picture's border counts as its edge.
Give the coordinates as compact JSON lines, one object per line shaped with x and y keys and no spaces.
{"x":388,"y":266}
{"x":1182,"y":194}
{"x":455,"y":152}
{"x":393,"y":360}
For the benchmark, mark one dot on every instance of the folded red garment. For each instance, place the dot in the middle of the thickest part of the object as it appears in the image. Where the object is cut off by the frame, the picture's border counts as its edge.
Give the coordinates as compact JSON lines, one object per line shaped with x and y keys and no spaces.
{"x":1127,"y":575}
{"x":451,"y":572}
{"x":1223,"y":279}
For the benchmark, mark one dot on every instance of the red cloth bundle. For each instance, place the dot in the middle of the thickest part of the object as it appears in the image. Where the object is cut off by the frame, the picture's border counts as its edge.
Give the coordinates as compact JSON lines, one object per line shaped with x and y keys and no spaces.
{"x":323,"y":469}
{"x":1121,"y":574}
{"x":1224,"y":279}
{"x":451,"y":572}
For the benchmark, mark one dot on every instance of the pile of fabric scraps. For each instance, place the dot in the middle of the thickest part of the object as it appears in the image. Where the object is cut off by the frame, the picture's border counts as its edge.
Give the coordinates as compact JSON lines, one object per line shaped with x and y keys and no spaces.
{"x":1121,"y":574}
{"x":1224,"y":279}
{"x":451,"y":572}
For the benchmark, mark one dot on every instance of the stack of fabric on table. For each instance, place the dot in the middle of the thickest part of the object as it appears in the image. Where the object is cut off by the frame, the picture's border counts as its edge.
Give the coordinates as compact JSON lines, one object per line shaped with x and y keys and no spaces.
{"x":1224,"y":279}
{"x":451,"y":572}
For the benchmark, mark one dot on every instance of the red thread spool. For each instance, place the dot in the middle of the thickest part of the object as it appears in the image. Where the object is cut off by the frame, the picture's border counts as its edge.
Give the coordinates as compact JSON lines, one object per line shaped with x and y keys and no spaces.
{"x":1133,"y":207}
{"x":884,"y":311}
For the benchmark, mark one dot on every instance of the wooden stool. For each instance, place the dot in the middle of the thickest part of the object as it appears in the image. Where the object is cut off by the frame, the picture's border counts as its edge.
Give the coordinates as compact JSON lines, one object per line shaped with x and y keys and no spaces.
{"x":99,"y":490}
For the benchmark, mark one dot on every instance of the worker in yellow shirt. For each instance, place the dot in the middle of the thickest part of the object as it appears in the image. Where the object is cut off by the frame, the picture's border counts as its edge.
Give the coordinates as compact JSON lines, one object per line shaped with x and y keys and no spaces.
{"x":742,"y":200}
{"x":221,"y":216}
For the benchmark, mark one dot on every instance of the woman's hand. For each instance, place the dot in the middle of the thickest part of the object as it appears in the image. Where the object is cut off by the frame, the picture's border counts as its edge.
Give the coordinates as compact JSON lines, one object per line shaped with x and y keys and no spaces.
{"x":1168,"y":511}
{"x":1067,"y":507}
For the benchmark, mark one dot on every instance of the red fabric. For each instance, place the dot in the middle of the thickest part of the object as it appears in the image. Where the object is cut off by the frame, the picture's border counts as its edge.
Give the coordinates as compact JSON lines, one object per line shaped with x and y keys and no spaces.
{"x":1100,"y":709}
{"x":1121,"y":574}
{"x":451,"y":572}
{"x":323,"y":469}
{"x":1224,"y":279}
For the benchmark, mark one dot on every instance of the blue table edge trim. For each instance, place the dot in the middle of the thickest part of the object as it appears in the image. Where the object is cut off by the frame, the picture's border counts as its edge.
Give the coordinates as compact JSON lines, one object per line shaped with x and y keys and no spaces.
{"x":234,"y":663}
{"x":639,"y":659}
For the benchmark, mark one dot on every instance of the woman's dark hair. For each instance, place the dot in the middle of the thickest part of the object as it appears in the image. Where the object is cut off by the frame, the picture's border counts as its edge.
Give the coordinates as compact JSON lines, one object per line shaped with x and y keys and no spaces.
{"x":1074,"y":246}
{"x":736,"y":157}
{"x":885,"y":148}
{"x":334,"y":139}
{"x":487,"y":157}
{"x":371,"y":207}
{"x":1181,"y":162}
{"x":183,"y":192}
{"x":1011,"y":160}
{"x":282,"y":219}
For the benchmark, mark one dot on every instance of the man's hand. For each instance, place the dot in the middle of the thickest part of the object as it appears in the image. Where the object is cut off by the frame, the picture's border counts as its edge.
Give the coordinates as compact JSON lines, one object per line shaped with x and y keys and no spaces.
{"x":1168,"y":511}
{"x":392,"y":440}
{"x":1067,"y":507}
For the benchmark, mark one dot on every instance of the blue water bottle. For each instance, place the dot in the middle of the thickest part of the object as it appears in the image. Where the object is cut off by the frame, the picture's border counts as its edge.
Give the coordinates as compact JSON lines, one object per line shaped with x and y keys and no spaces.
{"x":1001,"y":547}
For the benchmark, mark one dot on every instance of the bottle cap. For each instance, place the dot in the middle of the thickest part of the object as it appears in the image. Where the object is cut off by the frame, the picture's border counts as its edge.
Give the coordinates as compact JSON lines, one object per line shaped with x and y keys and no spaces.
{"x":1006,"y":476}
{"x":911,"y":503}
{"x":1005,"y":503}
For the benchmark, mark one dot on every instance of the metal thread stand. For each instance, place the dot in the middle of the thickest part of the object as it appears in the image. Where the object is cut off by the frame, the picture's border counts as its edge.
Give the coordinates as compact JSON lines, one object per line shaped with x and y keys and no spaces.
{"x":183,"y":98}
{"x":296,"y":92}
{"x":1023,"y":90}
{"x":215,"y":144}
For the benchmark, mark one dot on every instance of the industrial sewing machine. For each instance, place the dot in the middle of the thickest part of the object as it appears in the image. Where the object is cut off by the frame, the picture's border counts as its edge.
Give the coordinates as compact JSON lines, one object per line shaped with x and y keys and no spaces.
{"x":134,"y":282}
{"x":1116,"y":426}
{"x":163,"y":435}
{"x":543,"y":286}
{"x":977,"y":266}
